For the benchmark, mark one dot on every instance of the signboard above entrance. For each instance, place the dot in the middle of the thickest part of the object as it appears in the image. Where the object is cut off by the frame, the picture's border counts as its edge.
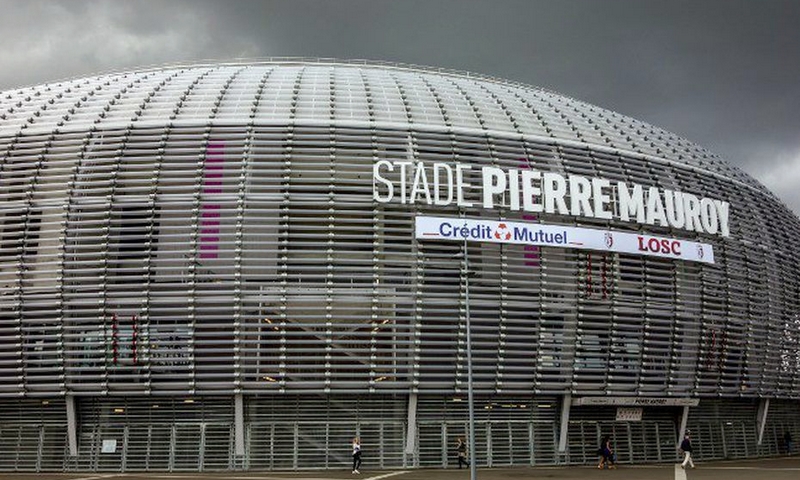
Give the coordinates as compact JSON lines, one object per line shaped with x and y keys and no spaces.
{"x":629,"y":414}
{"x":523,"y":233}
{"x":635,"y":401}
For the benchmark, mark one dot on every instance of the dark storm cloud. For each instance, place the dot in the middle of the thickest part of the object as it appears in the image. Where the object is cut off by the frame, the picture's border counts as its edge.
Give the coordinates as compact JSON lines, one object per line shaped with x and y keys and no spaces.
{"x":721,"y":73}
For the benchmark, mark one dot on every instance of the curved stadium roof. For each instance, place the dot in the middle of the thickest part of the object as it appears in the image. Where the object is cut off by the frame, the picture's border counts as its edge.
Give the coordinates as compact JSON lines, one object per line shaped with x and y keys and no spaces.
{"x":340,"y":93}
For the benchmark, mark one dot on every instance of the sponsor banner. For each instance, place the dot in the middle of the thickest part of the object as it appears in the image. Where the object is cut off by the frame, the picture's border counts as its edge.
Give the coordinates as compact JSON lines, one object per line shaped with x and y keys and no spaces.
{"x":629,"y":414}
{"x":478,"y":230}
{"x":635,"y":401}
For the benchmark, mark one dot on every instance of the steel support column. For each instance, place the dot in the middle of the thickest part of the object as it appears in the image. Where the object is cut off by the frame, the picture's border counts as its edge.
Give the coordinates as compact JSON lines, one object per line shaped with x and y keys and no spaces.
{"x":763,"y":408}
{"x":72,"y":425}
{"x":562,"y":437}
{"x":411,"y":434}
{"x":238,"y":422}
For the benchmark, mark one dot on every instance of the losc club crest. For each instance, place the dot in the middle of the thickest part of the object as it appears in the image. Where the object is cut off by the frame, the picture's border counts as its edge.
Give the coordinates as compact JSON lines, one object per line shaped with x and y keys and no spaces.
{"x":609,"y":238}
{"x":700,"y":251}
{"x":502,"y":233}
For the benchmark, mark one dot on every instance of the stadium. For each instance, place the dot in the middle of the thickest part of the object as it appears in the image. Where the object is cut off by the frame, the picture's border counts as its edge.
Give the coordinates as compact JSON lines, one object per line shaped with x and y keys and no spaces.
{"x":245,"y":265}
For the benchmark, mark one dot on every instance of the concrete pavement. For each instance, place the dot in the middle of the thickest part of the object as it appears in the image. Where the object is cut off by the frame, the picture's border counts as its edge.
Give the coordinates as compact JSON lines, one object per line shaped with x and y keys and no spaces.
{"x":769,"y":468}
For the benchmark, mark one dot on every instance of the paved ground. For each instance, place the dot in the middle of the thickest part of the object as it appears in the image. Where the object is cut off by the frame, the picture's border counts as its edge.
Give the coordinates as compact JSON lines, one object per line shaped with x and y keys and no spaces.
{"x":767,"y":469}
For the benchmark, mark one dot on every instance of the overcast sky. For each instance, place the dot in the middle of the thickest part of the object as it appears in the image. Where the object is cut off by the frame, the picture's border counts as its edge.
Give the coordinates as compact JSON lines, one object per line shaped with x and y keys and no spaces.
{"x":722,"y":73}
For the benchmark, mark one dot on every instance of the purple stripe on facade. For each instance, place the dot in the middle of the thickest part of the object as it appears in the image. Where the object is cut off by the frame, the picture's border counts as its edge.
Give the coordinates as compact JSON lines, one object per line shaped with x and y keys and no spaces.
{"x":212,"y":183}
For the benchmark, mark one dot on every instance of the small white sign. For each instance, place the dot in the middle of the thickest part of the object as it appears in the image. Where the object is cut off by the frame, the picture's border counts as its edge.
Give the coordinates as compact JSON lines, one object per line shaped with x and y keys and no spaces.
{"x":636,"y":401}
{"x":525,"y":233}
{"x":629,"y":414}
{"x":109,"y":446}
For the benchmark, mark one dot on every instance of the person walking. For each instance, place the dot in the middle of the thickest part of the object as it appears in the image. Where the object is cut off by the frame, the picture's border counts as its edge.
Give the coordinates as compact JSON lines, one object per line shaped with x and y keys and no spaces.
{"x":356,"y":454}
{"x":686,"y":448}
{"x":607,"y":458}
{"x":461,"y":451}
{"x":787,"y":442}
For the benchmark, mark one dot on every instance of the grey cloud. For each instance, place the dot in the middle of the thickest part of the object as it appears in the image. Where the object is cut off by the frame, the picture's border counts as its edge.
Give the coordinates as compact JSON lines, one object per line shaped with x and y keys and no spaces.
{"x":722,"y":73}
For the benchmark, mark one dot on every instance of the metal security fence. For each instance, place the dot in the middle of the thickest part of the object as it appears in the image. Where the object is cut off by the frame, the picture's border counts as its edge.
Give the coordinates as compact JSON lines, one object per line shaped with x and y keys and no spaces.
{"x":509,"y":430}
{"x":32,"y":435}
{"x":314,"y":432}
{"x":158,"y":434}
{"x":729,"y":429}
{"x":314,"y":445}
{"x":651,"y":440}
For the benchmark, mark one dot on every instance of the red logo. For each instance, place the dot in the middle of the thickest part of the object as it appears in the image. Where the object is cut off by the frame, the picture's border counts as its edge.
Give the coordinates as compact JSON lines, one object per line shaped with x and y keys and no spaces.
{"x":659,"y":245}
{"x":609,"y":239}
{"x":502,"y":233}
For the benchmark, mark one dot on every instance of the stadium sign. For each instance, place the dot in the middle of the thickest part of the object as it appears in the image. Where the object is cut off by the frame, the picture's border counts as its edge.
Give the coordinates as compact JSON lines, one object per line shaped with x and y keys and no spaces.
{"x":635,"y":401}
{"x":524,"y":233}
{"x":528,"y":190}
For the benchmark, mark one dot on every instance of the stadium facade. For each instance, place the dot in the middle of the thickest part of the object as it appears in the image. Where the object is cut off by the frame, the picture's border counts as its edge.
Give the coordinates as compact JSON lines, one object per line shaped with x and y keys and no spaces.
{"x":245,"y":265}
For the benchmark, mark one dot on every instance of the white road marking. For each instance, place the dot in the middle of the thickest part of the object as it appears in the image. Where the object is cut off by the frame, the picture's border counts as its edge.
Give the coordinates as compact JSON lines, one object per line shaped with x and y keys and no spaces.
{"x":256,"y":477}
{"x":762,"y":469}
{"x":680,"y":473}
{"x":386,"y":475}
{"x":173,"y":476}
{"x":259,"y":477}
{"x":97,"y":477}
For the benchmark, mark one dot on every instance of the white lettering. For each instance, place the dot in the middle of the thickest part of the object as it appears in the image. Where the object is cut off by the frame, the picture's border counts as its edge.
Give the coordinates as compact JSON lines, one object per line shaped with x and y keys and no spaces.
{"x":673,"y":204}
{"x":554,"y":187}
{"x":461,"y":185}
{"x":513,"y":189}
{"x":601,"y":200}
{"x":494,"y":183}
{"x":546,"y":192}
{"x":377,"y":177}
{"x":420,"y":184}
{"x":530,"y":192}
{"x":630,"y":203}
{"x":403,"y":172}
{"x":437,"y":188}
{"x":655,"y":209}
{"x":580,"y":189}
{"x":722,"y":213}
{"x":708,"y":216}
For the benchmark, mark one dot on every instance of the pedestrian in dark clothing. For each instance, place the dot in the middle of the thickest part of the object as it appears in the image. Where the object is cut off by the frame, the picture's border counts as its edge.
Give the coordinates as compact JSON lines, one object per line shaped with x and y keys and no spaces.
{"x":787,"y":442}
{"x":356,"y":455}
{"x":606,"y":453}
{"x":686,"y":448}
{"x":461,"y":451}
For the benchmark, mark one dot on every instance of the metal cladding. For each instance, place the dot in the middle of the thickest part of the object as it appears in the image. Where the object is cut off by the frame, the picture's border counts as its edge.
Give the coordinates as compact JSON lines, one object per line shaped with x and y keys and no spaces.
{"x":213,"y":229}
